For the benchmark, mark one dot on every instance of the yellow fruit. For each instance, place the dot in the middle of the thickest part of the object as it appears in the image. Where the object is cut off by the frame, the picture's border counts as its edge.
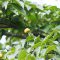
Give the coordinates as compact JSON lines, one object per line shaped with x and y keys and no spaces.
{"x":1,"y":55}
{"x":26,"y":30}
{"x":0,"y":11}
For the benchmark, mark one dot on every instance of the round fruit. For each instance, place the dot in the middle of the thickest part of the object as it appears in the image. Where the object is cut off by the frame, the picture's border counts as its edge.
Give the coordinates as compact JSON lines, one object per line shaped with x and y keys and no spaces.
{"x":0,"y":11}
{"x":26,"y":30}
{"x":1,"y":55}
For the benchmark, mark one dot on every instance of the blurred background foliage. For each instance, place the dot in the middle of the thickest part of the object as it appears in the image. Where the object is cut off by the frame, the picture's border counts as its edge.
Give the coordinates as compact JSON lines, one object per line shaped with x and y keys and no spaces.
{"x":42,"y":42}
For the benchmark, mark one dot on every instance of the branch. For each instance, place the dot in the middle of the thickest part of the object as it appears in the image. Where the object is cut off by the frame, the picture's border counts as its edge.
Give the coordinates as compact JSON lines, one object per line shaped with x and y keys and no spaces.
{"x":16,"y":35}
{"x":9,"y":34}
{"x":5,"y":23}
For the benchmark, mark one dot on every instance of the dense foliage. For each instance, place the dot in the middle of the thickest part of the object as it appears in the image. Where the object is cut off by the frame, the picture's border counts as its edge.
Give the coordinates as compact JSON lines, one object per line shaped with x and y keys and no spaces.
{"x":32,"y":32}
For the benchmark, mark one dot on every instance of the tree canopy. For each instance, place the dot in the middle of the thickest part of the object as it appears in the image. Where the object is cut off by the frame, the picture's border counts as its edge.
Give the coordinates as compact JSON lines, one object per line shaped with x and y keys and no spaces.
{"x":32,"y":32}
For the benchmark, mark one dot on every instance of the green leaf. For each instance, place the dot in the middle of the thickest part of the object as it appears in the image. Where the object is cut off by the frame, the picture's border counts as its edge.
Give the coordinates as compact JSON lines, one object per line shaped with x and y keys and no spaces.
{"x":37,"y":39}
{"x":29,"y":57}
{"x":36,"y":45}
{"x":53,"y":8}
{"x":50,"y":48}
{"x":22,"y":55}
{"x":57,"y":27}
{"x":31,"y":5}
{"x":0,"y":46}
{"x":11,"y":51}
{"x":30,"y":38}
{"x":44,"y":43}
{"x":47,"y":38}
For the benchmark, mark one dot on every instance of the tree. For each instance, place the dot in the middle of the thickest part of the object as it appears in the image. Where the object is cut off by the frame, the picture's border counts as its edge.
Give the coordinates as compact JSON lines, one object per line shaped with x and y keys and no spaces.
{"x":41,"y":26}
